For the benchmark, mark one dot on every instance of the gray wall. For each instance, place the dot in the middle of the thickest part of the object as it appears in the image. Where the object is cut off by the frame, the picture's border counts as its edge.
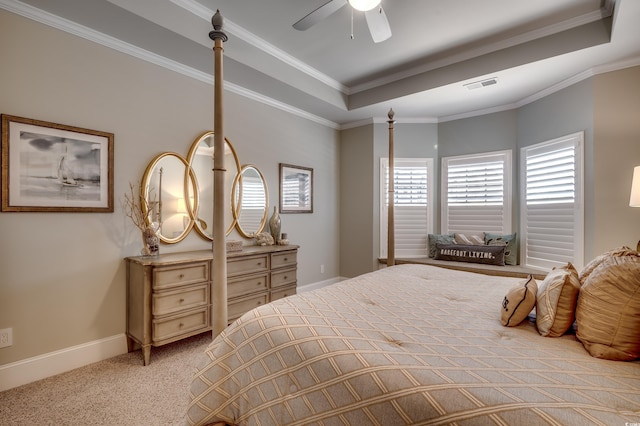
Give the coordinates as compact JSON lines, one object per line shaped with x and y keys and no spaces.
{"x":62,"y":275}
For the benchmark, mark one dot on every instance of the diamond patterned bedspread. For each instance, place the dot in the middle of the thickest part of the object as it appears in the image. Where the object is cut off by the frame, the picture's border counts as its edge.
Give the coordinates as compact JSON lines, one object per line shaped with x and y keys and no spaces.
{"x":409,"y":344}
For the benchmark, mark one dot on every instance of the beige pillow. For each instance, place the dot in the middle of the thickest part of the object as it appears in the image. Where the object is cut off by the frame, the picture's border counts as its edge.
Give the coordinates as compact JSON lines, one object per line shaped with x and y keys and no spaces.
{"x":556,"y":301}
{"x":469,"y":239}
{"x":608,"y":311}
{"x":593,"y":264}
{"x":519,"y":302}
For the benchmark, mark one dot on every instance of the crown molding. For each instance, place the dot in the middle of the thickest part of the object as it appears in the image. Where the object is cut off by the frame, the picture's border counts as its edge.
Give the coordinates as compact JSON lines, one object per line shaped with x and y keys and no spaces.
{"x":86,"y":33}
{"x":247,"y":36}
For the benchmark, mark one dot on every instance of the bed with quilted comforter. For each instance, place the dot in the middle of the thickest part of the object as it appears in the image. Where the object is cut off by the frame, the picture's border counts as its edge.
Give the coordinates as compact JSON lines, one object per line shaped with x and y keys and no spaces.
{"x":409,"y":344}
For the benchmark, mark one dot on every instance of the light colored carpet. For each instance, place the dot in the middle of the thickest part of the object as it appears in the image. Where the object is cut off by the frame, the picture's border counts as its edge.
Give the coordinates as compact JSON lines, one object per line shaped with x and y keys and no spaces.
{"x":117,"y":391}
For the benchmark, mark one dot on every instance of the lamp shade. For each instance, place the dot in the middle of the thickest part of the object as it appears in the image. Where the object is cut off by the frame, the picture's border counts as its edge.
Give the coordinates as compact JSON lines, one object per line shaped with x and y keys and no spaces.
{"x":634,"y":200}
{"x":364,"y":5}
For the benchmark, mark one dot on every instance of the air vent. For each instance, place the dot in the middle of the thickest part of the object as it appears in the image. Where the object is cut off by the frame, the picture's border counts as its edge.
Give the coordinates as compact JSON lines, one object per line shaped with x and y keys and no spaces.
{"x":482,"y":83}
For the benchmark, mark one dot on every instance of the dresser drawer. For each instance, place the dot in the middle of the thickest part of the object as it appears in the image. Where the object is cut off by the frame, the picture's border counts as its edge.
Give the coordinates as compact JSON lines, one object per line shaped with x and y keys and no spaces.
{"x":168,"y":302}
{"x":247,"y":265}
{"x":280,"y":260}
{"x":283,"y":292}
{"x":173,"y":276}
{"x":247,"y":285}
{"x":281,"y":278}
{"x":237,"y":308}
{"x":179,"y":325}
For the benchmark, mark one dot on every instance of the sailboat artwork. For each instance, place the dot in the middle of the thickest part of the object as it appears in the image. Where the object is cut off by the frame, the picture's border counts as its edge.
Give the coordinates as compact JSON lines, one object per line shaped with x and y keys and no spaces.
{"x":53,"y":167}
{"x":65,"y":172}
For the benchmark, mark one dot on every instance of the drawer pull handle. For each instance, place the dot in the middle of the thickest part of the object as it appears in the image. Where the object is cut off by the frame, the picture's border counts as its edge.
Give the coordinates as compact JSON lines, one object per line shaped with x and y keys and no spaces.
{"x":285,"y":259}
{"x":181,"y":276}
{"x":181,"y":300}
{"x":285,"y":277}
{"x":259,"y":263}
{"x":259,"y":303}
{"x":259,"y":283}
{"x":181,"y":325}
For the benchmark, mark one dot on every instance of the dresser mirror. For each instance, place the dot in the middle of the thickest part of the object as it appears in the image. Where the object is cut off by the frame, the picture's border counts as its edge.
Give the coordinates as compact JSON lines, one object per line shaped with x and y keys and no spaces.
{"x":165,"y":190}
{"x":250,"y":201}
{"x":200,"y":161}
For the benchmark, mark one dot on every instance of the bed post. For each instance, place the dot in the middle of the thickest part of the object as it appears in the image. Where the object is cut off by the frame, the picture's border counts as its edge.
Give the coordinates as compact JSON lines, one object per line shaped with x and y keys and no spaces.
{"x":391,"y":234}
{"x":219,"y":285}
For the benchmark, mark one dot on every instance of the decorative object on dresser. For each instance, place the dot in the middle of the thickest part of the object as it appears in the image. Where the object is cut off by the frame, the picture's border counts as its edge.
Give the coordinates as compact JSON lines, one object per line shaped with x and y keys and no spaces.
{"x":169,"y":296}
{"x":139,"y":210}
{"x":49,"y":167}
{"x":275,"y":225}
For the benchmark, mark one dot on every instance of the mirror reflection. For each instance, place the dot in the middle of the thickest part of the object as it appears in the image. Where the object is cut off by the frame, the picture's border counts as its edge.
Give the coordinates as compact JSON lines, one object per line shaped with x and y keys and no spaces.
{"x":200,"y":160}
{"x":250,"y":201}
{"x":164,"y":187}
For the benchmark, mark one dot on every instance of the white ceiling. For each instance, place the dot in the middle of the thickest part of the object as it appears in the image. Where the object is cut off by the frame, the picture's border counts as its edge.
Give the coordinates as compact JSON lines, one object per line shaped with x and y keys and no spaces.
{"x":437,"y":46}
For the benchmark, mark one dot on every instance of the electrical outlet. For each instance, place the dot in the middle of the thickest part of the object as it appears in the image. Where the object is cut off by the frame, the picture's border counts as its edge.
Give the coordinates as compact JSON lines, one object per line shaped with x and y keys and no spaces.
{"x":6,"y":337}
{"x":322,"y":269}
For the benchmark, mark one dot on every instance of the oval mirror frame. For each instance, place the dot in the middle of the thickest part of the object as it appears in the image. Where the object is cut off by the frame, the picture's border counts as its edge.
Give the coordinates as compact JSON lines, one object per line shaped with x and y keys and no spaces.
{"x":168,"y":211}
{"x":203,"y":145}
{"x":240,"y":196}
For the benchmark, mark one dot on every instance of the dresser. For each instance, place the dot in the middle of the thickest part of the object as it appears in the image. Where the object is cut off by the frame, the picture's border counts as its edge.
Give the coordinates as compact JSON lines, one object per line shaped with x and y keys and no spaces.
{"x":169,"y":296}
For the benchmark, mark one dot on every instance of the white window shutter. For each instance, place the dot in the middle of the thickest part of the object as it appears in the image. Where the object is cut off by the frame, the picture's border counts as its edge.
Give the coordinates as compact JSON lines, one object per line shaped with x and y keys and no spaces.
{"x":413,"y":205}
{"x":552,"y":207}
{"x":476,"y":192}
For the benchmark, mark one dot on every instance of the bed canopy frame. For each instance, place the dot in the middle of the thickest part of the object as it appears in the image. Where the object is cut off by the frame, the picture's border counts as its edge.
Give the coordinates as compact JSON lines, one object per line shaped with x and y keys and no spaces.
{"x":219,"y":287}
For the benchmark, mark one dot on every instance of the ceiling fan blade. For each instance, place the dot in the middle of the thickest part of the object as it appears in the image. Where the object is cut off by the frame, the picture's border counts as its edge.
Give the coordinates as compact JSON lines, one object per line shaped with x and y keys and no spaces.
{"x":378,"y":24}
{"x":319,"y":14}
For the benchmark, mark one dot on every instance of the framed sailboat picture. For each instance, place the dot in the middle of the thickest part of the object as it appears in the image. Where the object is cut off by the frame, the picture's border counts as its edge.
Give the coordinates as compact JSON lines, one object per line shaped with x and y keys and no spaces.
{"x":49,"y":167}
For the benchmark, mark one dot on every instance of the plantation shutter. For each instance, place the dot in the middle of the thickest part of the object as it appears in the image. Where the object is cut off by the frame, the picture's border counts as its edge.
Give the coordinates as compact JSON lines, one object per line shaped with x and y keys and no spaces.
{"x":476,"y":192}
{"x":552,"y":212}
{"x":412,"y":208}
{"x":253,"y":202}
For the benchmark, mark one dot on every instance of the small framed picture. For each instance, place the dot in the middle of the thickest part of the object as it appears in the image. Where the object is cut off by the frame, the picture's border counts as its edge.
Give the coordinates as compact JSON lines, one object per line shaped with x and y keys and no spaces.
{"x":296,"y":189}
{"x":49,"y":167}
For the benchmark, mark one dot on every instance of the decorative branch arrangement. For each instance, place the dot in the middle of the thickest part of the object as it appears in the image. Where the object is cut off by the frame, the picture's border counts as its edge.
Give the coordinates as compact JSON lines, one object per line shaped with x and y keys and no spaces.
{"x":135,"y":207}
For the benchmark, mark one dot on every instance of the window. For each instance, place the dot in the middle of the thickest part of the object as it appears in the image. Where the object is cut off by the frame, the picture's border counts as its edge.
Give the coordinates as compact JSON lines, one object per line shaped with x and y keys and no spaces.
{"x":413,"y":207}
{"x":476,"y":193}
{"x":552,"y":202}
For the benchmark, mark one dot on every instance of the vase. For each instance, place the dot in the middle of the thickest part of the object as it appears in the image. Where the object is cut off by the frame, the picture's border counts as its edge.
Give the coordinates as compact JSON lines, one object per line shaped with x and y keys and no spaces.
{"x":150,"y":241}
{"x":275,"y":225}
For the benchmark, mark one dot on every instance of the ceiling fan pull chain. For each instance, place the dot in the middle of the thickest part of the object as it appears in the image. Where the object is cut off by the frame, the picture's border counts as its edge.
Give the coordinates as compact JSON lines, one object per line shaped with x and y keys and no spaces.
{"x":352,"y":24}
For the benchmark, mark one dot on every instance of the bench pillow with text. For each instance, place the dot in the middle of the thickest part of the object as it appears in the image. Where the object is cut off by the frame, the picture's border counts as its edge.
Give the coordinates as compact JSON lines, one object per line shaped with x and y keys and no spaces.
{"x":488,"y":255}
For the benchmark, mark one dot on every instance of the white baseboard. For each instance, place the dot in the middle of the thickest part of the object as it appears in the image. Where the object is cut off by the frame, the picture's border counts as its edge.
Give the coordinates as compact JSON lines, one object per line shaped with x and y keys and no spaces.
{"x":42,"y":366}
{"x":319,"y":284}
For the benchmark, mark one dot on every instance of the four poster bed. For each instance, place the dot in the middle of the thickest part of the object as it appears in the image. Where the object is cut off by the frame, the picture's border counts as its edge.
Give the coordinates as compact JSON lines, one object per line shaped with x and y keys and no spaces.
{"x":418,"y":344}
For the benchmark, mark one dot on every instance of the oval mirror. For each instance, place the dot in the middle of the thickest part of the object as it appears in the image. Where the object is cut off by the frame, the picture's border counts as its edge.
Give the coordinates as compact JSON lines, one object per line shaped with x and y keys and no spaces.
{"x":200,"y":160}
{"x":165,"y":190}
{"x":250,"y":201}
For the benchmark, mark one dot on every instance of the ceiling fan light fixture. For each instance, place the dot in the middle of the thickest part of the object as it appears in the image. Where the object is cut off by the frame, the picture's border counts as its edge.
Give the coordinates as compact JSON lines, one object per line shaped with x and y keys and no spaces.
{"x":364,"y":5}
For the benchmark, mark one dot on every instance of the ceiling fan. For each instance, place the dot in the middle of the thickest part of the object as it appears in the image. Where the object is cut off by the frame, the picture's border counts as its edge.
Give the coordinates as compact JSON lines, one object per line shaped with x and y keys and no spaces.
{"x":373,"y":12}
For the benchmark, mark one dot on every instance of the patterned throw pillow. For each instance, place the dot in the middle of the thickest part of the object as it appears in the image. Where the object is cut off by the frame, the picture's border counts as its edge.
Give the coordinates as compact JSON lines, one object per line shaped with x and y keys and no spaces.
{"x":519,"y":302}
{"x":510,"y":253}
{"x":438,"y":238}
{"x":556,"y":301}
{"x":608,"y":311}
{"x":488,"y":255}
{"x":470,"y":239}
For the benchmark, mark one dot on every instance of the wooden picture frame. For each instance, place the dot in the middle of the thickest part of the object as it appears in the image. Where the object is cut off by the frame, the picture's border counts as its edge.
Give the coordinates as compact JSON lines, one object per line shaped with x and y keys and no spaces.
{"x":296,"y":189}
{"x":49,"y":167}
